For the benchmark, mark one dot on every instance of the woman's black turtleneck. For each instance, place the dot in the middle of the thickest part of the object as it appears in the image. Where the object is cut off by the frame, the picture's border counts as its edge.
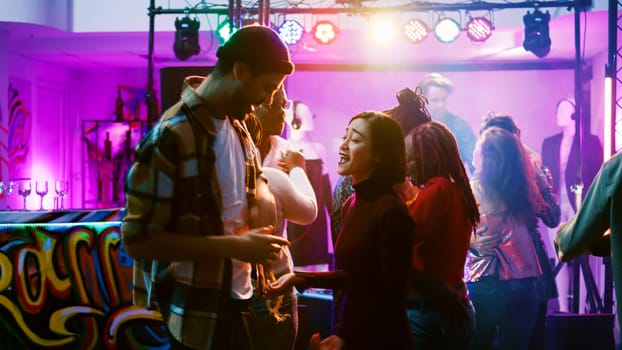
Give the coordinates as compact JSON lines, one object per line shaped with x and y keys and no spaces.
{"x":374,"y":250}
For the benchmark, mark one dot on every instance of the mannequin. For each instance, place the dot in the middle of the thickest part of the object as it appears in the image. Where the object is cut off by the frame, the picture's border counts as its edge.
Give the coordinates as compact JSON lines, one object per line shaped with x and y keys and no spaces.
{"x":559,"y":155}
{"x":311,"y":244}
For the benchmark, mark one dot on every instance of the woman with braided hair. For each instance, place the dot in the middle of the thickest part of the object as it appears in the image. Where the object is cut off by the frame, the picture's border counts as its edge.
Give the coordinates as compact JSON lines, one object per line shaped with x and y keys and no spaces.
{"x":445,"y":213}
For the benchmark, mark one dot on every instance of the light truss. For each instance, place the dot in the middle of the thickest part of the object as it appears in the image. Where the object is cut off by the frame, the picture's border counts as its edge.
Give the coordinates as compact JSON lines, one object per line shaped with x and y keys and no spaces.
{"x":414,"y":6}
{"x":234,"y":9}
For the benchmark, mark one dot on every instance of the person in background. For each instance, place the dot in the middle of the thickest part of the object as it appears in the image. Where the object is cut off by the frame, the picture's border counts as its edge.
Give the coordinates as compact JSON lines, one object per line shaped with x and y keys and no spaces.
{"x":445,"y":213}
{"x":506,"y":122}
{"x":598,"y":223}
{"x":271,"y":119}
{"x":198,"y":211}
{"x":502,"y":263}
{"x":277,"y":318}
{"x":550,"y":215}
{"x":312,"y":248}
{"x":560,"y":156}
{"x":437,"y":89}
{"x":373,"y":248}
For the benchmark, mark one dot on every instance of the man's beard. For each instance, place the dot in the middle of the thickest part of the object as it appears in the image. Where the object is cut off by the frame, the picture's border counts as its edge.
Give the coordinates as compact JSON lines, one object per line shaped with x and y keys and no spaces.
{"x":239,"y":106}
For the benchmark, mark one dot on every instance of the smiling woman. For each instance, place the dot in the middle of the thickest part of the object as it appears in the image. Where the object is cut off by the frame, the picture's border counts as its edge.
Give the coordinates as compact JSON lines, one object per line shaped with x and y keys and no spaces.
{"x":373,"y":147}
{"x":355,"y":154}
{"x":365,"y":151}
{"x":374,"y":246}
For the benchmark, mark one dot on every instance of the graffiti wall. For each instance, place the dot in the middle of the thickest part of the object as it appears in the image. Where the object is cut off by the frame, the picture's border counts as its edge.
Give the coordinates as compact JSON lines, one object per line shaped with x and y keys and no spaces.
{"x":20,"y":121}
{"x":68,"y":286}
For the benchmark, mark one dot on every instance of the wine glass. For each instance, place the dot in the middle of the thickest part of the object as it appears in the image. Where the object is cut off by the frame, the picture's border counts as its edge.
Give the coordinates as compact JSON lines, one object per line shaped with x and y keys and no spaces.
{"x":6,"y":187}
{"x":41,"y":187}
{"x":61,"y":187}
{"x":23,"y":190}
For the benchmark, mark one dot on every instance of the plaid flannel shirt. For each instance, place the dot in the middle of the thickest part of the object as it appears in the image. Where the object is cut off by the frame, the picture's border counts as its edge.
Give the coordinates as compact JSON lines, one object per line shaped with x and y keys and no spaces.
{"x":173,"y":186}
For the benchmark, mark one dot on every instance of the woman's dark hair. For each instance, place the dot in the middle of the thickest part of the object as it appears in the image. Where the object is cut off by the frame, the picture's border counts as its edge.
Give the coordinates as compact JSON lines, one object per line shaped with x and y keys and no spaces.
{"x":507,"y":174}
{"x":411,"y":110}
{"x":502,"y":121}
{"x":387,"y":141}
{"x":433,"y":152}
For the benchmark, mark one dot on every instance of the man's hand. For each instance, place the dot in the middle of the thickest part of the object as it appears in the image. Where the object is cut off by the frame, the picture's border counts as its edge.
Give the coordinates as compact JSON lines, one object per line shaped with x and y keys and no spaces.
{"x":332,"y":342}
{"x":258,"y":245}
{"x":284,"y":284}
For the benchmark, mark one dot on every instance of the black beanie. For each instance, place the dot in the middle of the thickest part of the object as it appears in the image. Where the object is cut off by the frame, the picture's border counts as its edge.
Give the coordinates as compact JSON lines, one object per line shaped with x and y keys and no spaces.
{"x":260,"y":47}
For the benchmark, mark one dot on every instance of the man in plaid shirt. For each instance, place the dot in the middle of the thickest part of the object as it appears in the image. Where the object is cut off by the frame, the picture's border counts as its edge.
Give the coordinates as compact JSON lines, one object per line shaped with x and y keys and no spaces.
{"x":198,"y":211}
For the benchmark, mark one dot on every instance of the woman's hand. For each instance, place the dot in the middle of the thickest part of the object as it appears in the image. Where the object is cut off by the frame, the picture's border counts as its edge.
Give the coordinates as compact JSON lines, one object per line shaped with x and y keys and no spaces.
{"x":484,"y":242}
{"x":292,"y":159}
{"x":285,"y":284}
{"x":332,"y":342}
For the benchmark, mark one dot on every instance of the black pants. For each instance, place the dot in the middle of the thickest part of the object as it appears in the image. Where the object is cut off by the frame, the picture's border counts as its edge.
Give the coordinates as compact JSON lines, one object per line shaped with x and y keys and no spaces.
{"x":235,"y":329}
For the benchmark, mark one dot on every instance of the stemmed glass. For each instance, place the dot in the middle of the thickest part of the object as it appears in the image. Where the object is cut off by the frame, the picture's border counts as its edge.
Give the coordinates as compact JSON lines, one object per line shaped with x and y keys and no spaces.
{"x":41,"y":187}
{"x":23,"y":190}
{"x":61,"y":187}
{"x":7,"y":187}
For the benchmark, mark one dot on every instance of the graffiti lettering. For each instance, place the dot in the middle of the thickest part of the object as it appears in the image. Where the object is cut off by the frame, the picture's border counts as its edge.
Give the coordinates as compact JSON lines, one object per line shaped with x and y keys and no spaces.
{"x":71,"y":288}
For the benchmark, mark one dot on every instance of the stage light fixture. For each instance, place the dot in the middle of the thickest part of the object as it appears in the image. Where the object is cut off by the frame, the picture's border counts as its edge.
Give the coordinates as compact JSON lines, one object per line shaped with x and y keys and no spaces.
{"x":325,"y":32}
{"x":224,"y":32}
{"x":537,"y":38}
{"x":291,"y":31}
{"x":416,"y":31}
{"x":382,"y":30}
{"x":479,"y":29}
{"x":446,"y":30}
{"x":186,"y":38}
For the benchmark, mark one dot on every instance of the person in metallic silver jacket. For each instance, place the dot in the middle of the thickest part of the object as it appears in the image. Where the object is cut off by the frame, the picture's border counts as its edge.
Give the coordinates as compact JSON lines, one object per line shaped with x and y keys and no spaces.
{"x":502,"y":263}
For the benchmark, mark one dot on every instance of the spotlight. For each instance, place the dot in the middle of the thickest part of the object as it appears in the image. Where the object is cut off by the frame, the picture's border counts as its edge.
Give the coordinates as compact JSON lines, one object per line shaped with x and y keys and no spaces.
{"x":447,"y":30}
{"x":479,"y":29}
{"x":224,"y":32}
{"x":325,"y":32}
{"x":537,"y":38}
{"x":382,"y":30}
{"x":186,"y":38}
{"x":416,"y":30}
{"x":291,"y":31}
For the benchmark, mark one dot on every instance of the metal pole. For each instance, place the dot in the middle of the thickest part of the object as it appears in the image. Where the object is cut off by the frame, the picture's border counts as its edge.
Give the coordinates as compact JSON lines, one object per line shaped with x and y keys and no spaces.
{"x":411,"y":7}
{"x":232,"y":20}
{"x":610,"y":72}
{"x":151,"y":107}
{"x":238,"y":13}
{"x":574,"y":293}
{"x":612,"y":64}
{"x":262,"y":15}
{"x":578,"y":92}
{"x":266,"y":13}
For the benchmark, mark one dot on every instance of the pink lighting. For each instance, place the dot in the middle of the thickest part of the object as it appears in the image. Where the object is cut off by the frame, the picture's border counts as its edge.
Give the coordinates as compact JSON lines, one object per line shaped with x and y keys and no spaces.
{"x":607,"y":122}
{"x":479,"y":29}
{"x":416,"y":31}
{"x":325,"y":32}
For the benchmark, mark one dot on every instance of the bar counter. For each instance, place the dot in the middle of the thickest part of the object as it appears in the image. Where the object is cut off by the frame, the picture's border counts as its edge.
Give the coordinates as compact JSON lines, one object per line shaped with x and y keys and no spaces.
{"x":66,"y":283}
